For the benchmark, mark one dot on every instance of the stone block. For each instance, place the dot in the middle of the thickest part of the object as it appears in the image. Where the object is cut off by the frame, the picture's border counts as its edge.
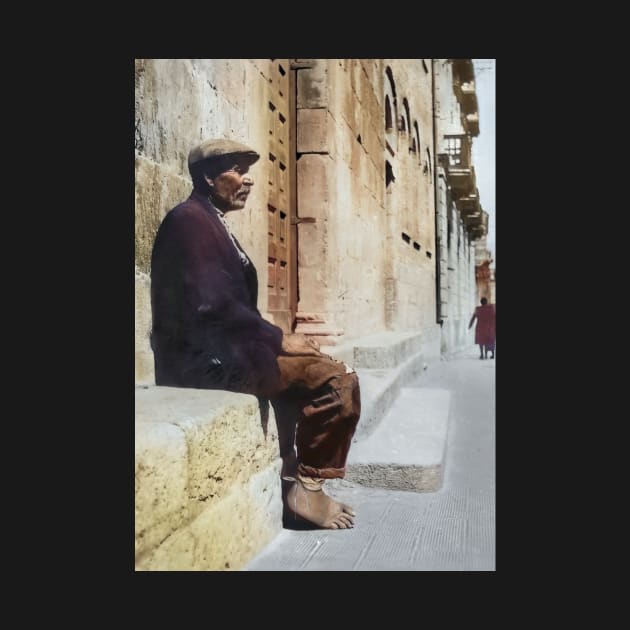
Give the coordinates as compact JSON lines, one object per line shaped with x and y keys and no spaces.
{"x":313,"y":249}
{"x":216,"y":500}
{"x":262,"y":66}
{"x":315,"y":131}
{"x":312,"y":86}
{"x":313,"y":185}
{"x":407,"y":449}
{"x":344,"y":142}
{"x":223,"y":430}
{"x":227,"y":534}
{"x":230,"y":79}
{"x":144,"y":364}
{"x":337,"y":78}
{"x":166,"y":124}
{"x":161,"y":478}
{"x":356,"y":76}
{"x":157,"y":191}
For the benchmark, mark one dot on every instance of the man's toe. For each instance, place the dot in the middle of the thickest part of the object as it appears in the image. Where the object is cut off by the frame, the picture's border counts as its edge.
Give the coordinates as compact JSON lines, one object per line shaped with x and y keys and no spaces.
{"x":348,"y":510}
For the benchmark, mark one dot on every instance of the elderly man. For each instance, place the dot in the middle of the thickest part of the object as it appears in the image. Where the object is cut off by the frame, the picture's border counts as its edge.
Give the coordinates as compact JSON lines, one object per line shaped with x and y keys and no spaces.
{"x":208,"y":333}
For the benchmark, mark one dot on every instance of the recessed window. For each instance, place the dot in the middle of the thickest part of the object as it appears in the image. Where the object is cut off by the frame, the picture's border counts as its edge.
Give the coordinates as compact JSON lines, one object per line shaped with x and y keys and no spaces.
{"x":416,"y":246}
{"x":417,"y":138}
{"x":389,"y":174}
{"x":392,"y":121}
{"x":406,"y":238}
{"x":390,"y":77}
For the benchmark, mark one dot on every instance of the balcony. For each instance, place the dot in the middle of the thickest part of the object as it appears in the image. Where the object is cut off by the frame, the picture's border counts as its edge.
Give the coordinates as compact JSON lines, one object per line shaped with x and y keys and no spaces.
{"x":477,"y":225}
{"x":462,"y":181}
{"x":463,"y":70}
{"x":464,"y":90}
{"x":467,"y":98}
{"x":469,"y":205}
{"x":471,"y":123}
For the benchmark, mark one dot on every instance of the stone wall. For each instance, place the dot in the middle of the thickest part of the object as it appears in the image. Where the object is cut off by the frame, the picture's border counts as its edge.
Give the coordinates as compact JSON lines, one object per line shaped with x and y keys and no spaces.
{"x":355,"y":269}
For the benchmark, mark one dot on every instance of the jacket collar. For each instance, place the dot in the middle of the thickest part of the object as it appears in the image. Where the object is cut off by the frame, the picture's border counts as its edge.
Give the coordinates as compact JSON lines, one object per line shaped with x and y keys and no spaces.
{"x":205,"y":202}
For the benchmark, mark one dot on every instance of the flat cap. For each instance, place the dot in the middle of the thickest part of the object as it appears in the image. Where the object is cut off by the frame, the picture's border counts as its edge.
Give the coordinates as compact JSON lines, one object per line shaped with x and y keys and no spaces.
{"x":219,"y":147}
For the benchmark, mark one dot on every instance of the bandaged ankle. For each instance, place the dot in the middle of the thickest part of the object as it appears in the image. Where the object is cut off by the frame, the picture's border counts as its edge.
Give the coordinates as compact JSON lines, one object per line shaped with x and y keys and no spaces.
{"x":313,"y":484}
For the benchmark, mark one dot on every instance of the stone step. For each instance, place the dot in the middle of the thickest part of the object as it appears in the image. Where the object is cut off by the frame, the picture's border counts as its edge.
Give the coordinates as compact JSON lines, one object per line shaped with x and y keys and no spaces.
{"x":207,"y":491}
{"x":380,"y":389}
{"x":406,"y":451}
{"x":385,"y":350}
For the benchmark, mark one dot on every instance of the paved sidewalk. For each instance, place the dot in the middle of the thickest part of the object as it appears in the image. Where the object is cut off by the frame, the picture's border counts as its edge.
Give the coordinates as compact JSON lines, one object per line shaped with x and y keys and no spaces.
{"x":448,"y":530}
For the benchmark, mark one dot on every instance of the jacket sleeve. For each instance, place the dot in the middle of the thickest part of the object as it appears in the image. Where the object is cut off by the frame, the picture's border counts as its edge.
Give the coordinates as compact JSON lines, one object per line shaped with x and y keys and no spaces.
{"x":216,"y":288}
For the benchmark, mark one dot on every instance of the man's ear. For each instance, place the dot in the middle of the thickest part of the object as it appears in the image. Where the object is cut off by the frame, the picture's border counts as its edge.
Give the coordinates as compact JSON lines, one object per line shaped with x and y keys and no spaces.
{"x":209,"y":180}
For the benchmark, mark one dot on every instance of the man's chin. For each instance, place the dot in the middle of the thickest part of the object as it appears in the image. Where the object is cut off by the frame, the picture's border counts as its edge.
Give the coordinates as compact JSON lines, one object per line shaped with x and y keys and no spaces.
{"x":238,"y":204}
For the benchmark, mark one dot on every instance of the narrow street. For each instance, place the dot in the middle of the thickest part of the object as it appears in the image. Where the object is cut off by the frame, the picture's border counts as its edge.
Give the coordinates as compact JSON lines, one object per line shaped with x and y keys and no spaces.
{"x":452,"y":529}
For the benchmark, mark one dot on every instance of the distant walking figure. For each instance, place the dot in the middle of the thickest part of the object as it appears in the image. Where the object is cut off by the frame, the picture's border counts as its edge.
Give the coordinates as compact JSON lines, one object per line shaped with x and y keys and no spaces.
{"x":485,"y":331}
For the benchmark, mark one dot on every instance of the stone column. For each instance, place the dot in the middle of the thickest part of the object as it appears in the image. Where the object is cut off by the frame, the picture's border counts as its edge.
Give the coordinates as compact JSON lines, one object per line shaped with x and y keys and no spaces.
{"x":315,"y":139}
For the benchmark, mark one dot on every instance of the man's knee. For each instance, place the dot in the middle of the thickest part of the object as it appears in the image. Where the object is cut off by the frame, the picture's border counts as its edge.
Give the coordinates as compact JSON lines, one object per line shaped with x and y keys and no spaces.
{"x":349,"y":381}
{"x":348,"y":387}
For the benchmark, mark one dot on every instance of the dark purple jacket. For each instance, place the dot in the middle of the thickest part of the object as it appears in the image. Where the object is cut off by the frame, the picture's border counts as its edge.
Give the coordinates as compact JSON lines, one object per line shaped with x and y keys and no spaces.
{"x":207,"y":331}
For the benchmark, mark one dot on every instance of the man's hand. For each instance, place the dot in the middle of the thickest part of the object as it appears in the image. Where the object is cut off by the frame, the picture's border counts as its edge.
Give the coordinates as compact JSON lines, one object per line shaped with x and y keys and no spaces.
{"x":298,"y":344}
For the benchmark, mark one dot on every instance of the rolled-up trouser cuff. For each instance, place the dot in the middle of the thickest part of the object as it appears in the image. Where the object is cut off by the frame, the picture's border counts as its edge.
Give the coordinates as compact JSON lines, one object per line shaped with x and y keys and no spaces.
{"x":322,"y":473}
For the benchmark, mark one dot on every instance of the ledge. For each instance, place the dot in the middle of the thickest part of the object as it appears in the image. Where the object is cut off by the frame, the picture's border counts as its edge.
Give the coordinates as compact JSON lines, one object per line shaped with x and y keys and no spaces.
{"x":207,"y":479}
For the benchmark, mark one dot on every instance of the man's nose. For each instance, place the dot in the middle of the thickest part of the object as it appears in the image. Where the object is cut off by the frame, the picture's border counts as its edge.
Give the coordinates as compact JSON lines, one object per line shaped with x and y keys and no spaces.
{"x":248,"y":180}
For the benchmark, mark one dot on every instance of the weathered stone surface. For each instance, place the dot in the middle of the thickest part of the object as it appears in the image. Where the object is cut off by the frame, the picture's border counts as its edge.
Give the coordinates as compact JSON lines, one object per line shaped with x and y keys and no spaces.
{"x":350,"y":107}
{"x":315,"y":132}
{"x":313,"y":86}
{"x":228,"y":533}
{"x":145,"y":370}
{"x":406,"y":450}
{"x":161,"y":482}
{"x":217,"y":497}
{"x":223,"y":431}
{"x":314,"y":183}
{"x":167,"y":125}
{"x":158,"y":190}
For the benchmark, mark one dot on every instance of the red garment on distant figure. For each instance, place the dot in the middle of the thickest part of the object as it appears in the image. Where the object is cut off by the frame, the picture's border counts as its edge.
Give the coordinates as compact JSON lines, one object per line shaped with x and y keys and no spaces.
{"x":485,"y":332}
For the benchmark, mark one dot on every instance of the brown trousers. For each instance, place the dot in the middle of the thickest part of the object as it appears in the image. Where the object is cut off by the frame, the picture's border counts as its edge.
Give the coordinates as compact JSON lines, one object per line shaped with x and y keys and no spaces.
{"x":317,"y":407}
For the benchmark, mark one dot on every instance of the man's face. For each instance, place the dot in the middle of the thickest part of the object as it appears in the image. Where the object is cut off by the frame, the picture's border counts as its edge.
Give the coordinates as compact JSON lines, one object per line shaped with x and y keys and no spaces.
{"x":229,"y":190}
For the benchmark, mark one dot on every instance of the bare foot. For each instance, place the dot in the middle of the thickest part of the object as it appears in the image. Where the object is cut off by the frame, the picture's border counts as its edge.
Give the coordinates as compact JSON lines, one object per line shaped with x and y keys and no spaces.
{"x":318,"y":508}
